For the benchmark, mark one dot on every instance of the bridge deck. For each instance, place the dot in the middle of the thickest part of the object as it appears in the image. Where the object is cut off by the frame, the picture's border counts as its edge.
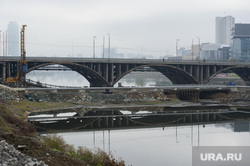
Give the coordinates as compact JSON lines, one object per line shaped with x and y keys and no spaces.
{"x":118,"y":60}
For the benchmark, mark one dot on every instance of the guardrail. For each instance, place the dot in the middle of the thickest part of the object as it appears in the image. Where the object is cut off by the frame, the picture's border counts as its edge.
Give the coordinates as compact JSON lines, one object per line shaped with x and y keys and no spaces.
{"x":45,"y":85}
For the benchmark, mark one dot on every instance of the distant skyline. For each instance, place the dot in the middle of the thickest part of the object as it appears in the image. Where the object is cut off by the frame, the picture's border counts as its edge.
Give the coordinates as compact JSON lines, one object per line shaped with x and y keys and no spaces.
{"x":150,"y":27}
{"x":13,"y":39}
{"x":224,"y":28}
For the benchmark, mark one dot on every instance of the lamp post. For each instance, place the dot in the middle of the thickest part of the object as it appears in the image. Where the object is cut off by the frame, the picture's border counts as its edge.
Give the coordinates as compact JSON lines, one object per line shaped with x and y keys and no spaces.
{"x":177,"y":40}
{"x":3,"y":43}
{"x":103,"y":46}
{"x":192,"y":48}
{"x":0,"y":43}
{"x":109,"y":46}
{"x":6,"y":43}
{"x":94,"y":46}
{"x":199,"y":42}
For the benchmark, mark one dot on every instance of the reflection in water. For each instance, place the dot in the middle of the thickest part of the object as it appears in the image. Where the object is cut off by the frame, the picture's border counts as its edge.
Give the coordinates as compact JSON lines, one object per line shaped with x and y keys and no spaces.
{"x":115,"y":118}
{"x":149,"y":135}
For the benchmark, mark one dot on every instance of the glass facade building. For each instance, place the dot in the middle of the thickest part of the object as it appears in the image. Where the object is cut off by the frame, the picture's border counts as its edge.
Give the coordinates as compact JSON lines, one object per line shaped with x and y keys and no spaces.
{"x":241,"y":43}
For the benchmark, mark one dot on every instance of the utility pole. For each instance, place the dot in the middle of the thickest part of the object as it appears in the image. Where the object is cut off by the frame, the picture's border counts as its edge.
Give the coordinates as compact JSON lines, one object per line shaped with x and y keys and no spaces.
{"x":6,"y":44}
{"x":103,"y":47}
{"x":199,"y":42}
{"x":177,"y":40}
{"x":72,"y":48}
{"x":3,"y":43}
{"x":192,"y":49}
{"x":94,"y":46}
{"x":109,"y":45}
{"x":0,"y":43}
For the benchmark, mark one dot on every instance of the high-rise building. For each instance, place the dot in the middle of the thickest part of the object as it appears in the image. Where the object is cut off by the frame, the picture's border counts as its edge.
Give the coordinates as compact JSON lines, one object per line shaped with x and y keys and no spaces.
{"x":223,"y":29}
{"x":214,"y":52}
{"x":241,"y":43}
{"x":13,"y":39}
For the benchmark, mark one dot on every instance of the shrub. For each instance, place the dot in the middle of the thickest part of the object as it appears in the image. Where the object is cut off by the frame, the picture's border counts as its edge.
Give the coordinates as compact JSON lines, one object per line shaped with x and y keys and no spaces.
{"x":54,"y":141}
{"x":20,"y":126}
{"x":98,"y":157}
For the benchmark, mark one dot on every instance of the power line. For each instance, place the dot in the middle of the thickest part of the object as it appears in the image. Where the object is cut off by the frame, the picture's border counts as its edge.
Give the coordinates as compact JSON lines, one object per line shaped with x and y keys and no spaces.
{"x":88,"y":46}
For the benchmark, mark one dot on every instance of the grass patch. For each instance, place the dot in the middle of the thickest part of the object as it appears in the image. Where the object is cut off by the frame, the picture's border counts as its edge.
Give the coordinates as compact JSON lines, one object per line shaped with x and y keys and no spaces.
{"x":3,"y":125}
{"x":9,"y":122}
{"x":20,"y":107}
{"x":29,"y":105}
{"x":97,"y":157}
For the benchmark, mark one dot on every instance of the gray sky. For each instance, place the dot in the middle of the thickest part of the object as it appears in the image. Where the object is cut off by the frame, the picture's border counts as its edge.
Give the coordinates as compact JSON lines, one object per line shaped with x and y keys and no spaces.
{"x":135,"y":26}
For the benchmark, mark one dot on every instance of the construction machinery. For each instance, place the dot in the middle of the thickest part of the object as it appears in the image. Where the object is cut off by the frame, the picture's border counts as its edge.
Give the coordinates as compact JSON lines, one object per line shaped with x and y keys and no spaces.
{"x":22,"y":65}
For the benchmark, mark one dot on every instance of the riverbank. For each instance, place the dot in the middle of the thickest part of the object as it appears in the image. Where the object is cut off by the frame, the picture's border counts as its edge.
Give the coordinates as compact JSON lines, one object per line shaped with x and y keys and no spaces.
{"x":20,"y":142}
{"x":17,"y":104}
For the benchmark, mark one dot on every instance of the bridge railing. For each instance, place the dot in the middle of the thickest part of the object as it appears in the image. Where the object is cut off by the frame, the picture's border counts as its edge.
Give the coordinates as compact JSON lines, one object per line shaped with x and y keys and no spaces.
{"x":45,"y":85}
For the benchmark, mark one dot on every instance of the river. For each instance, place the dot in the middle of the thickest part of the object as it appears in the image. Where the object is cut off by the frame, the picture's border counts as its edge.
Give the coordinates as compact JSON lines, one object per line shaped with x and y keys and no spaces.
{"x":143,"y":135}
{"x":64,"y":78}
{"x":148,"y":135}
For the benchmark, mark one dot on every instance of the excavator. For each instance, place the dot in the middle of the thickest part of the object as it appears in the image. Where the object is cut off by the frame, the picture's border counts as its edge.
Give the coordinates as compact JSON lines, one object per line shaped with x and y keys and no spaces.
{"x":20,"y":78}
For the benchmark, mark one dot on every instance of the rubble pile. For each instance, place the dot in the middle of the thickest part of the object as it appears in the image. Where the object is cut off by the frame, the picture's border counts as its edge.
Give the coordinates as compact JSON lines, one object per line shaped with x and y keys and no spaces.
{"x":10,"y":156}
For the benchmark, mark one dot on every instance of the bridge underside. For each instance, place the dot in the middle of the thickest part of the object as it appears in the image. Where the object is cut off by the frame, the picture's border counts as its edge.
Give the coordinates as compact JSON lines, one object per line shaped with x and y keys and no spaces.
{"x":175,"y":75}
{"x":94,"y":78}
{"x":244,"y":73}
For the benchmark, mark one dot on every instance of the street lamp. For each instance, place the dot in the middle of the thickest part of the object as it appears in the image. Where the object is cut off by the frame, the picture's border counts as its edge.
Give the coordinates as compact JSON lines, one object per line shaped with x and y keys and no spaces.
{"x":177,"y":40}
{"x":103,"y":46}
{"x":109,"y":45}
{"x":6,"y":43}
{"x":3,"y":43}
{"x":0,"y":43}
{"x":94,"y":46}
{"x":199,"y":45}
{"x":192,"y":49}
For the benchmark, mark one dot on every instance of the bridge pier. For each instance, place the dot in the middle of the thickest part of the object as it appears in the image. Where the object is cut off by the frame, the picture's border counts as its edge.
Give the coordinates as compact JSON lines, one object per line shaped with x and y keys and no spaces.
{"x":98,"y":68}
{"x":118,"y":119}
{"x":201,"y":74}
{"x":207,"y":72}
{"x":9,"y":71}
{"x":118,"y":70}
{"x":195,"y":72}
{"x":105,"y":121}
{"x":111,"y":122}
{"x":111,"y":73}
{"x":4,"y":72}
{"x":105,"y":71}
{"x":190,"y":69}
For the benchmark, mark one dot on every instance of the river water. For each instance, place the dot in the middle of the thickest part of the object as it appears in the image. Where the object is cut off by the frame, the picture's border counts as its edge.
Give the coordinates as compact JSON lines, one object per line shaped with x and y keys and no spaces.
{"x":64,"y":78}
{"x":150,"y":135}
{"x":145,"y":136}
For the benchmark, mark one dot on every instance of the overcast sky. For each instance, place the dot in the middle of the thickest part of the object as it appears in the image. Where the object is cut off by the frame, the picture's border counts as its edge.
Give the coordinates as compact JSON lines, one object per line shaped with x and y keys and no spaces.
{"x":64,"y":27}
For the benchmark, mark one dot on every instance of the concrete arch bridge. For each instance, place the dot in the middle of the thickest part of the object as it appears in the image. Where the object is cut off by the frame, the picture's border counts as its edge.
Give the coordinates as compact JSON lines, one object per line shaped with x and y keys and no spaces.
{"x":107,"y":72}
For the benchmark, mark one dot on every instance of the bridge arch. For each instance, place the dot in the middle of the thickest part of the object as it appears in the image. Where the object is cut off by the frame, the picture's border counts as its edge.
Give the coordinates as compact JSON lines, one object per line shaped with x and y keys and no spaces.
{"x":242,"y":71}
{"x":174,"y":74}
{"x":94,"y":78}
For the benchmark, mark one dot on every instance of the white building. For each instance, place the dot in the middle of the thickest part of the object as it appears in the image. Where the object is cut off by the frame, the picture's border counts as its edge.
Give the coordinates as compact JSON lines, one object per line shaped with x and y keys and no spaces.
{"x":223,"y":29}
{"x":13,"y":39}
{"x":189,"y":53}
{"x":214,"y":52}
